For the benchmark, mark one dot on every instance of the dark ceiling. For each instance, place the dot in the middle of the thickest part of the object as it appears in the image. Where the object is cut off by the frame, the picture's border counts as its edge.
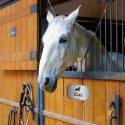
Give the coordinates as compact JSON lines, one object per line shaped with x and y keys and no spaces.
{"x":58,"y":1}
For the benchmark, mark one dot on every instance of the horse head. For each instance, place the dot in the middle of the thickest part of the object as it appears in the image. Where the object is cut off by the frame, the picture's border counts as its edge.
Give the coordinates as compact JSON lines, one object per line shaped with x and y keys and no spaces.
{"x":59,"y":50}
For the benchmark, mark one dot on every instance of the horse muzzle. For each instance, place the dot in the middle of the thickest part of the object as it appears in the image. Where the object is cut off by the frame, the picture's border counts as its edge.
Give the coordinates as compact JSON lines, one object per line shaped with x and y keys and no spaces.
{"x":48,"y":84}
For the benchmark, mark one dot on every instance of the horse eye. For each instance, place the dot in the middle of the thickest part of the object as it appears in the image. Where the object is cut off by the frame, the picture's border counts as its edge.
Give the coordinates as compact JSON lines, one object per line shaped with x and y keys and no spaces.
{"x":63,"y":40}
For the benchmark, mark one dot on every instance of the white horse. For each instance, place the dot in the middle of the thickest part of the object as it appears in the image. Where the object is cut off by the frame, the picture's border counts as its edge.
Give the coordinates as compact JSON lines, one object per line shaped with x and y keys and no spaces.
{"x":64,"y":42}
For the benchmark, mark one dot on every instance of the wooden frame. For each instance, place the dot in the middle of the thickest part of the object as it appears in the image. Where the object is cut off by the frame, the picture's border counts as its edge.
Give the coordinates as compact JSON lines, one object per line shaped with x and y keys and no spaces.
{"x":19,"y":56}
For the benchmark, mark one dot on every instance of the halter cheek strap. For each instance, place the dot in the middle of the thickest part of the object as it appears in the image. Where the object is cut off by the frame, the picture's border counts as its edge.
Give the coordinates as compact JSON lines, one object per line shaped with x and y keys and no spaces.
{"x":88,"y":47}
{"x":96,"y":29}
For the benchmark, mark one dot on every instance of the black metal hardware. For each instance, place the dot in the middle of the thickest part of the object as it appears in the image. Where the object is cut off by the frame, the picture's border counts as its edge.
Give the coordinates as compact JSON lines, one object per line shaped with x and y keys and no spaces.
{"x":33,"y":55}
{"x":13,"y":31}
{"x":116,"y":107}
{"x":34,"y":8}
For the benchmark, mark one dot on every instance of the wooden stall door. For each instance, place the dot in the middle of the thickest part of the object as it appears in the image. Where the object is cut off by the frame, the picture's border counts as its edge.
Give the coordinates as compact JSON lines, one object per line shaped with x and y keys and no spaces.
{"x":19,"y":36}
{"x":94,"y":110}
{"x":18,"y":62}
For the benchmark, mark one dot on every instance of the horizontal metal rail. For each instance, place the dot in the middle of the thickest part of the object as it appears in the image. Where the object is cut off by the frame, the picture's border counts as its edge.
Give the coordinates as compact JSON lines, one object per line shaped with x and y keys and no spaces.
{"x":96,"y":75}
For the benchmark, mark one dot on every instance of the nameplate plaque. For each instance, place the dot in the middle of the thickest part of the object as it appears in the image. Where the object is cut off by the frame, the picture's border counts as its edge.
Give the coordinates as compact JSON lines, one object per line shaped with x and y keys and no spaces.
{"x":79,"y":92}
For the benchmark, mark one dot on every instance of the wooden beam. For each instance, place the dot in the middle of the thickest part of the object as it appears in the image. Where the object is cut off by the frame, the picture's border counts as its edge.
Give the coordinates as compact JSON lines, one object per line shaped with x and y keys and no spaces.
{"x":19,"y":14}
{"x":20,"y":56}
{"x":10,"y":103}
{"x":4,"y":3}
{"x":65,"y":118}
{"x":50,"y":114}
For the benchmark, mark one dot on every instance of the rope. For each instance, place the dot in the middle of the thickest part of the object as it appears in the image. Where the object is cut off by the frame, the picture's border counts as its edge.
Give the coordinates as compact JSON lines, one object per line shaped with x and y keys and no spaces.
{"x":51,"y":8}
{"x":26,"y":99}
{"x":96,"y":29}
{"x":12,"y":114}
{"x":107,"y":4}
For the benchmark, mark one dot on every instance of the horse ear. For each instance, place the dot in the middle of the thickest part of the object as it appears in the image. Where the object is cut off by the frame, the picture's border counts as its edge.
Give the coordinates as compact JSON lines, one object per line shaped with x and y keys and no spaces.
{"x":71,"y":18}
{"x":50,"y":17}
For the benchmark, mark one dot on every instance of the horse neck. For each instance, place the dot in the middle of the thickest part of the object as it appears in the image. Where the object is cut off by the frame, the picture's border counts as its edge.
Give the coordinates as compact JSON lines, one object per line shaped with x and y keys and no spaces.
{"x":83,"y":38}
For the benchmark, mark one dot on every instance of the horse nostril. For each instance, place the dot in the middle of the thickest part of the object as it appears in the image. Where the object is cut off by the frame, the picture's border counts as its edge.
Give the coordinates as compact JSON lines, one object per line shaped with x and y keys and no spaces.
{"x":47,"y":80}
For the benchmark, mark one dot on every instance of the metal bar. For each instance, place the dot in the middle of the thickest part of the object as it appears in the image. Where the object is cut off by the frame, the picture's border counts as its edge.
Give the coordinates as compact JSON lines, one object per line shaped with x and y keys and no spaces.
{"x":106,"y":40}
{"x":77,"y":66}
{"x":117,"y":35}
{"x":123,"y":33}
{"x":88,"y":66}
{"x":42,"y":27}
{"x":37,"y":86}
{"x":100,"y":47}
{"x":110,"y":120}
{"x":95,"y":66}
{"x":37,"y":106}
{"x":111,"y":31}
{"x":81,"y":65}
{"x":95,"y":20}
{"x":96,"y":75}
{"x":41,"y":107}
{"x":91,"y":58}
{"x":117,"y":110}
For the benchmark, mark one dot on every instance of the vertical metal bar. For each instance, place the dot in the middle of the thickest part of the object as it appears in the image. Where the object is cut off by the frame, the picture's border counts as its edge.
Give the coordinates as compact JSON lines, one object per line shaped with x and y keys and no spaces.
{"x":95,"y":66}
{"x":37,"y":106}
{"x":106,"y":39}
{"x":123,"y":33}
{"x":41,"y":117}
{"x":91,"y":58}
{"x":100,"y":46}
{"x":81,"y":66}
{"x":86,"y":62}
{"x":37,"y":86}
{"x":117,"y":110}
{"x":76,"y":64}
{"x":117,"y":35}
{"x":42,"y":24}
{"x":111,"y":31}
{"x":110,"y":120}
